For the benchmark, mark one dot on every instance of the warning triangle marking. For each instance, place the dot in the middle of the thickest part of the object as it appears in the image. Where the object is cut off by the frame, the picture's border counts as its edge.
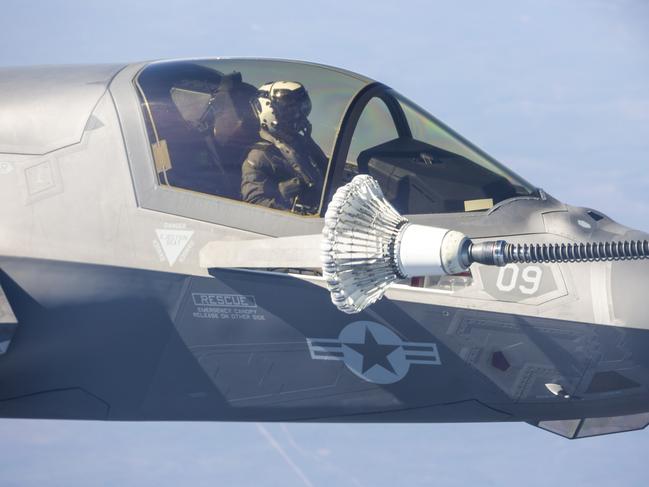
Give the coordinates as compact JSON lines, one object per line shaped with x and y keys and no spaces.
{"x":173,"y":242}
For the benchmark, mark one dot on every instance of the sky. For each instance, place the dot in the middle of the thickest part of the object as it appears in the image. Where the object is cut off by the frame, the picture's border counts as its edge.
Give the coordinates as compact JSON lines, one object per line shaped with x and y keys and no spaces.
{"x":556,"y":90}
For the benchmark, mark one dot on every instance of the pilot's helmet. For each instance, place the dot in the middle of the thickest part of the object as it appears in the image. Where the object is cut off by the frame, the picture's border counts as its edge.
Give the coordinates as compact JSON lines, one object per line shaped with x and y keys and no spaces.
{"x":283,"y":107}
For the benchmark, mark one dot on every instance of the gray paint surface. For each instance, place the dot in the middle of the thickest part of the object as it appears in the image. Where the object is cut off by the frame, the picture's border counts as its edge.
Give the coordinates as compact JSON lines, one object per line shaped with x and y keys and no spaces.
{"x":46,"y":108}
{"x":251,"y":378}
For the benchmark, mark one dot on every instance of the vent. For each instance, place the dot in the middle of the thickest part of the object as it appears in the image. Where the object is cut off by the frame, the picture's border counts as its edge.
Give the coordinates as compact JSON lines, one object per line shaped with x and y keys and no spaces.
{"x":595,"y":216}
{"x":499,"y":361}
{"x":610,"y":381}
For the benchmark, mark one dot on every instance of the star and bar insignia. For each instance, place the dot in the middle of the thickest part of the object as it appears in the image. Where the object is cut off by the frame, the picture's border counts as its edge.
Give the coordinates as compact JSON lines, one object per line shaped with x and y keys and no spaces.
{"x":374,"y":352}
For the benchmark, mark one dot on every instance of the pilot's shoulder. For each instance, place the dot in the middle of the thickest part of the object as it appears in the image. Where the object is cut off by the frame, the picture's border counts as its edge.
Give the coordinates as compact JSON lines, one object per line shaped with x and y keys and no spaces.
{"x":259,"y":155}
{"x":261,"y":147}
{"x":260,"y":151}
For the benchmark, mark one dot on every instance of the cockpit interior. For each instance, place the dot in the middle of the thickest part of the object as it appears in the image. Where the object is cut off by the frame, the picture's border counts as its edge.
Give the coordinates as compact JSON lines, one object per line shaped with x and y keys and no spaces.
{"x":202,"y":127}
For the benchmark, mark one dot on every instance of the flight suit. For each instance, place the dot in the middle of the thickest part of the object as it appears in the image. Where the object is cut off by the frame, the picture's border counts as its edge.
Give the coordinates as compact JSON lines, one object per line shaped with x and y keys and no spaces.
{"x":284,"y":176}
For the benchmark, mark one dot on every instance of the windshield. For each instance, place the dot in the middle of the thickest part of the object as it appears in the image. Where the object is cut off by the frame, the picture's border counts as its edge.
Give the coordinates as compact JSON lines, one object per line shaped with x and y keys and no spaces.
{"x":421,"y":165}
{"x":256,"y":131}
{"x":426,"y":128}
{"x":263,"y":132}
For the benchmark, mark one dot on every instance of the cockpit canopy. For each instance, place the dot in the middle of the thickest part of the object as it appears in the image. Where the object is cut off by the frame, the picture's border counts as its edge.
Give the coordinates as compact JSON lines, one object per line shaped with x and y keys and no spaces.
{"x":206,"y":137}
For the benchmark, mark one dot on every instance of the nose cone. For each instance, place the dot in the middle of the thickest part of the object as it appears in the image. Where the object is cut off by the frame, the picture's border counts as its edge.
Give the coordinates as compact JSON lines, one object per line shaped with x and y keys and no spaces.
{"x":629,"y":283}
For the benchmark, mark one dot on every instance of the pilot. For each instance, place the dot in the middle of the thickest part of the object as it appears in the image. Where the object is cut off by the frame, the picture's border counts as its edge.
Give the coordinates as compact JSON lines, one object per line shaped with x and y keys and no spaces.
{"x":286,"y":168}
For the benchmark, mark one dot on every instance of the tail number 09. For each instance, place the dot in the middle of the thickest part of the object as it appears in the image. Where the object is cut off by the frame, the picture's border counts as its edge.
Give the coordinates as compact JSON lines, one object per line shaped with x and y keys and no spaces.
{"x":526,"y":279}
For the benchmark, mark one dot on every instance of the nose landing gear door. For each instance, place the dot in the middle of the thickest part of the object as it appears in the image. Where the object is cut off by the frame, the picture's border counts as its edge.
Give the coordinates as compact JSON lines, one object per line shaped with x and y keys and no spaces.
{"x":8,"y":322}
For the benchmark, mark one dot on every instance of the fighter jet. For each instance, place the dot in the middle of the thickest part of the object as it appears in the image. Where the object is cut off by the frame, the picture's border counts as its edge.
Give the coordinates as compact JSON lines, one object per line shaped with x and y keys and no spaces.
{"x":267,"y":240}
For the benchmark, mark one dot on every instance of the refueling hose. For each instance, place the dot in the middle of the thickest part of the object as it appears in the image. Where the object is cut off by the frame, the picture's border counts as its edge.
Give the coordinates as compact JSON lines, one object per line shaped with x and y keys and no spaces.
{"x":501,"y":253}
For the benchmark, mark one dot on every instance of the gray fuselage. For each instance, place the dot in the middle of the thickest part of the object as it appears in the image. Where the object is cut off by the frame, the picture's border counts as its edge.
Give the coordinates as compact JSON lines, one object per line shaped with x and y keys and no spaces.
{"x":106,"y":313}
